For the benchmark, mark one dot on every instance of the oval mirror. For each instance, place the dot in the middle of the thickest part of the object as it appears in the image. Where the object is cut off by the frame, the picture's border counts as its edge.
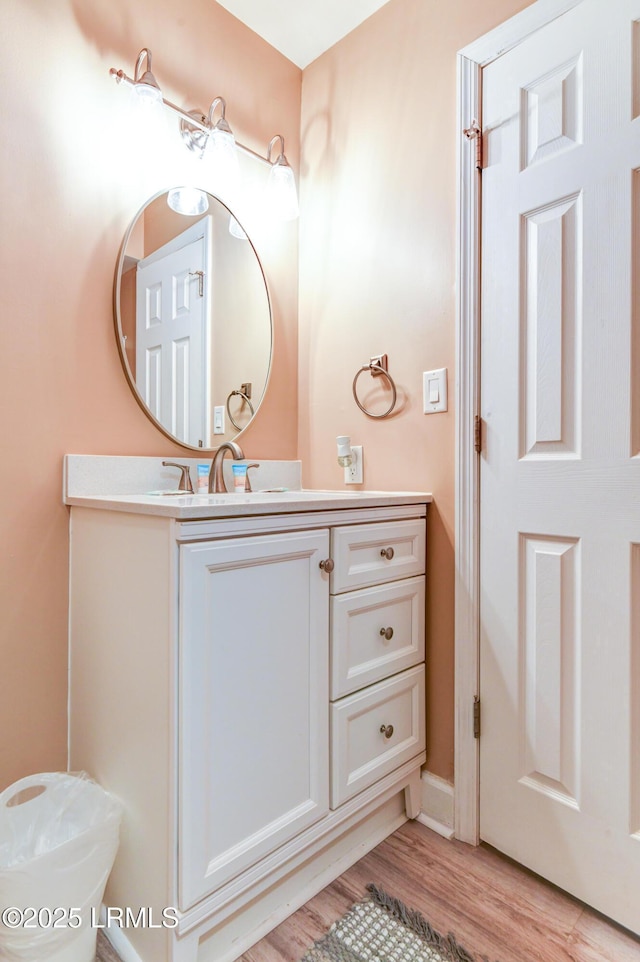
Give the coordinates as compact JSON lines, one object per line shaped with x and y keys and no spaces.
{"x":193,"y":321}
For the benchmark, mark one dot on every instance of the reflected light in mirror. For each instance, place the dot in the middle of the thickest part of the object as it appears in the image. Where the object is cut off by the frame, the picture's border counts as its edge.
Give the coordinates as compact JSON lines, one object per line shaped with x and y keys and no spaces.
{"x":235,"y":230}
{"x":188,"y":201}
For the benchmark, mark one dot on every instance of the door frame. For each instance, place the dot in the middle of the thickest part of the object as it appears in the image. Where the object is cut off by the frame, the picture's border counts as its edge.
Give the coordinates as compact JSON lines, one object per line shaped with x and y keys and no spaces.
{"x":470,"y":62}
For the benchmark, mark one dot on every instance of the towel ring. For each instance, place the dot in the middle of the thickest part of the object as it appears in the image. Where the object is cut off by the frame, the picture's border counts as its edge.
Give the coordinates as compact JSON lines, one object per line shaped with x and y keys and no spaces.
{"x":376,"y":370}
{"x":244,"y":397}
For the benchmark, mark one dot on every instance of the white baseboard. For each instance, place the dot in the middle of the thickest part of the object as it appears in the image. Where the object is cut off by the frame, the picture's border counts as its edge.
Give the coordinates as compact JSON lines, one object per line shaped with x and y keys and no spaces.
{"x":122,"y":945}
{"x":437,"y":808}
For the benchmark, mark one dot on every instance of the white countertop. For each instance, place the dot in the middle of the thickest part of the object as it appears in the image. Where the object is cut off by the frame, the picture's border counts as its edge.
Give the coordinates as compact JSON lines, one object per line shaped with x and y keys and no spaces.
{"x":143,"y":485}
{"x":189,"y":507}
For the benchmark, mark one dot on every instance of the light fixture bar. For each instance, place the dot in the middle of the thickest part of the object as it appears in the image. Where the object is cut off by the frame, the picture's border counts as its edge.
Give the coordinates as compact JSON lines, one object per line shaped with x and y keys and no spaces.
{"x":189,"y":118}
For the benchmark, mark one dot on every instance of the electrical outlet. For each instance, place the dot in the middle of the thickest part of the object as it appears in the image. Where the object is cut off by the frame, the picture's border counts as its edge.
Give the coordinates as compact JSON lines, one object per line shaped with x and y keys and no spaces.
{"x":353,"y":473}
{"x":218,"y":419}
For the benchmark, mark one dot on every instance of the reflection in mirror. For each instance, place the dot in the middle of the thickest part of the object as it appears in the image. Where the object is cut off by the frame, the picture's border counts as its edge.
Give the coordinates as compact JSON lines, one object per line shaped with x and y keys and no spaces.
{"x":193,"y":321}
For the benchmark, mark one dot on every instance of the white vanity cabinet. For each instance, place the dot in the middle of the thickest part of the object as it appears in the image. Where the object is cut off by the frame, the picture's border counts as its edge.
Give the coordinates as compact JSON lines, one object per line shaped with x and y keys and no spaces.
{"x":230,"y":677}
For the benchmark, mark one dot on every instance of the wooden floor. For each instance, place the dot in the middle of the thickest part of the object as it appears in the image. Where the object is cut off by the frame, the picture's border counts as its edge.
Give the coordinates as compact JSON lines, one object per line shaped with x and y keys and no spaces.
{"x":105,"y":953}
{"x":493,"y":907}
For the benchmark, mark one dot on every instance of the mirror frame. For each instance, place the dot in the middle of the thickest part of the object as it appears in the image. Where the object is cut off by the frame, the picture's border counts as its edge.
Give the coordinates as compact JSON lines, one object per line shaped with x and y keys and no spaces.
{"x":117,"y":322}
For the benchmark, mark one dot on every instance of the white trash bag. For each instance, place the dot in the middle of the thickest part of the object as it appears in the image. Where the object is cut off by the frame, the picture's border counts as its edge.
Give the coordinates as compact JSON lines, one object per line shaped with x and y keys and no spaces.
{"x":58,"y":841}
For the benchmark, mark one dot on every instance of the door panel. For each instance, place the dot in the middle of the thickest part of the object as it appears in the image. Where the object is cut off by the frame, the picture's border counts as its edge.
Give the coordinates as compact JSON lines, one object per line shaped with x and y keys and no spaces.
{"x":560,"y":472}
{"x":550,"y":339}
{"x":549,"y":570}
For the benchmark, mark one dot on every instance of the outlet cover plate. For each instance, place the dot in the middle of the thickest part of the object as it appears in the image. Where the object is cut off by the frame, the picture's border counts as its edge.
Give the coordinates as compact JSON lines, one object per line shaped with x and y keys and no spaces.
{"x":353,"y":474}
{"x":218,"y":419}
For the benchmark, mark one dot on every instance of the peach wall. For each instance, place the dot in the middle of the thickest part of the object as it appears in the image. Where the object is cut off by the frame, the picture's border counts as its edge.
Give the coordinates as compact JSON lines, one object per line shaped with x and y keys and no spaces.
{"x":377,"y":274}
{"x":76,"y":166}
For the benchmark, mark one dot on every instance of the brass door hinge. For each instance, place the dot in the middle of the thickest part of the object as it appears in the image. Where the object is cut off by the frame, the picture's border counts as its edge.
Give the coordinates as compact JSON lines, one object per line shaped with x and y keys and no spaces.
{"x":477,"y":434}
{"x":474,"y":132}
{"x":476,"y":717}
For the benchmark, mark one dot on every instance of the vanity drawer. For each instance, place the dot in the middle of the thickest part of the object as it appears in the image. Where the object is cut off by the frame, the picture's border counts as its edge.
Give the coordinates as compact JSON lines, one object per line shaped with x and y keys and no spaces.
{"x":369,"y":554}
{"x":376,"y":632}
{"x":362,"y":752}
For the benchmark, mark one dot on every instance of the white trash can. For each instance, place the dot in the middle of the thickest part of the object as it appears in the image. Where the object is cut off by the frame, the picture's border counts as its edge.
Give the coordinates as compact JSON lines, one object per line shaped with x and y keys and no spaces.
{"x":58,"y":841}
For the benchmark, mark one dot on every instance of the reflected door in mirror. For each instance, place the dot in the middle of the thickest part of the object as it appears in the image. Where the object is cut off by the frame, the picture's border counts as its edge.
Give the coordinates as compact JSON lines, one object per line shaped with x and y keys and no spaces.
{"x":173,"y":335}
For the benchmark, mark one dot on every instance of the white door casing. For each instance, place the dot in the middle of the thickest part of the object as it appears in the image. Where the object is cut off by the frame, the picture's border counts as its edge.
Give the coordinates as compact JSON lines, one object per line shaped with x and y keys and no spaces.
{"x":173,"y":333}
{"x":560,"y":517}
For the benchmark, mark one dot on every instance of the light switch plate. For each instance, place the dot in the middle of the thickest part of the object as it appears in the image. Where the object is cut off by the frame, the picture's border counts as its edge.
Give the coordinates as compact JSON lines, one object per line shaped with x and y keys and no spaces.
{"x":434,"y":390}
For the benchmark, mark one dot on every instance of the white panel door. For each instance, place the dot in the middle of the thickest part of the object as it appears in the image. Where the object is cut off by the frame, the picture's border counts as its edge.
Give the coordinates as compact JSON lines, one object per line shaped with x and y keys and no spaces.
{"x":253,"y":702}
{"x":560,"y":467}
{"x":173,"y":351}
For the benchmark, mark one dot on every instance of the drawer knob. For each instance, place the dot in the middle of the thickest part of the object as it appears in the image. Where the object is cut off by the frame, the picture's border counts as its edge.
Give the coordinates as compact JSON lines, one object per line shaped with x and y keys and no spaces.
{"x":386,"y":730}
{"x":327,"y":565}
{"x":387,"y":553}
{"x":387,"y":633}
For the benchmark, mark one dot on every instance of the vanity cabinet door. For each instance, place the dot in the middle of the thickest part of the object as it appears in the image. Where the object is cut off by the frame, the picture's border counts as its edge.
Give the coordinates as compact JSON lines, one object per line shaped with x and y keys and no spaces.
{"x":253,"y":702}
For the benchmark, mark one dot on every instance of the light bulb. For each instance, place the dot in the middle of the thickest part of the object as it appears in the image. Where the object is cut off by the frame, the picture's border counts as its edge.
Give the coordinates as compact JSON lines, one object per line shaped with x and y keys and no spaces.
{"x":222,"y":155}
{"x":146,"y":94}
{"x":345,"y":454}
{"x":281,"y":191}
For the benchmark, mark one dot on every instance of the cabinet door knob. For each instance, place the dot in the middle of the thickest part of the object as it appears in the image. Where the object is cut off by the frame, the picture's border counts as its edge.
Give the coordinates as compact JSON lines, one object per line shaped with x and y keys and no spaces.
{"x":386,"y":730}
{"x":327,"y":565}
{"x":387,"y":633}
{"x":387,"y":553}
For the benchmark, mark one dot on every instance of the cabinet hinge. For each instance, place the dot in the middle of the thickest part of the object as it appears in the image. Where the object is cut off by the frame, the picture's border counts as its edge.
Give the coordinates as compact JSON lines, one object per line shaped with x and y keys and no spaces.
{"x":476,"y":717}
{"x":477,"y":434}
{"x":474,"y":132}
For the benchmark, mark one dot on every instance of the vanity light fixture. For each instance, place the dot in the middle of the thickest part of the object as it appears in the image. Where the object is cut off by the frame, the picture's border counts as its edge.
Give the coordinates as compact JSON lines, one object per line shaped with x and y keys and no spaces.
{"x":145,"y":86}
{"x":281,"y":186}
{"x":215,"y":142}
{"x":221,"y":150}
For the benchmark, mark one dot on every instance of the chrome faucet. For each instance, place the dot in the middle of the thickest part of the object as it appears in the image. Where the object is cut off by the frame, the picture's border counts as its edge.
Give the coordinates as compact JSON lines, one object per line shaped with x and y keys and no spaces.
{"x":216,"y":478}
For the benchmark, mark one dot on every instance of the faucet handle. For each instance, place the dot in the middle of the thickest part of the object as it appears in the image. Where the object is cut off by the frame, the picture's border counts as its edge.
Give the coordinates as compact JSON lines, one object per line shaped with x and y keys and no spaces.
{"x":185,"y":478}
{"x":247,"y":483}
